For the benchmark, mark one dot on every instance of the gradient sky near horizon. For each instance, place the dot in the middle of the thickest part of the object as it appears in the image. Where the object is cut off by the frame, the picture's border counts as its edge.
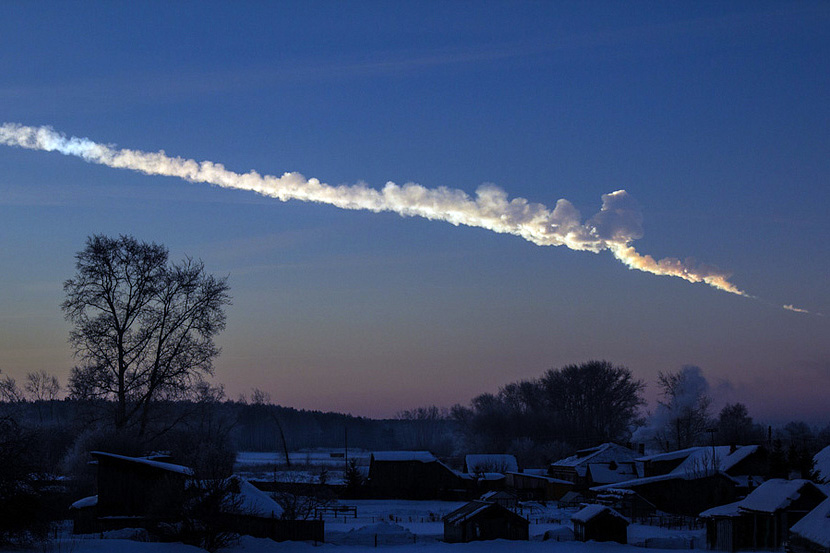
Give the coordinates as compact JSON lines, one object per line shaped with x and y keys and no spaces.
{"x":714,"y":116}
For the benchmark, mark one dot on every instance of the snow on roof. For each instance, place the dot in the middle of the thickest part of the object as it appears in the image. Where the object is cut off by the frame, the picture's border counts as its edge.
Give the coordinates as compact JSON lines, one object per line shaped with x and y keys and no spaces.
{"x":774,"y":494}
{"x":253,"y":501}
{"x":467,"y":511}
{"x":696,"y":459}
{"x":659,"y":478}
{"x":534,"y":474}
{"x":90,"y":501}
{"x":606,"y":452}
{"x":815,"y":526}
{"x":728,"y":510}
{"x":421,"y":456}
{"x":822,"y":466}
{"x":498,"y":494}
{"x":592,"y":511}
{"x":491,"y":463}
{"x":169,"y":467}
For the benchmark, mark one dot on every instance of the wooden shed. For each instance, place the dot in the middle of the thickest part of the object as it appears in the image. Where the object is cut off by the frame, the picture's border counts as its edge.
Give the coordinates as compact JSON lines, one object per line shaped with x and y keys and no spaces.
{"x":412,"y":475}
{"x":600,"y":523}
{"x":762,"y":520}
{"x":483,"y":520}
{"x":811,"y":534}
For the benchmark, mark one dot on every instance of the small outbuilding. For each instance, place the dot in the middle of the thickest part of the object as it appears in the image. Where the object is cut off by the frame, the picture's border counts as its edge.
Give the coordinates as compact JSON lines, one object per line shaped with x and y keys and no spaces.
{"x":483,"y":520}
{"x":600,"y":523}
{"x":811,"y":534}
{"x":762,"y":520}
{"x":505,"y":498}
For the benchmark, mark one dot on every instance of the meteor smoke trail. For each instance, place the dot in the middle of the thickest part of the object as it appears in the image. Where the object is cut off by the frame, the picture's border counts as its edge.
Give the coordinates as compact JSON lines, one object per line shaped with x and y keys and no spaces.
{"x":618,"y":223}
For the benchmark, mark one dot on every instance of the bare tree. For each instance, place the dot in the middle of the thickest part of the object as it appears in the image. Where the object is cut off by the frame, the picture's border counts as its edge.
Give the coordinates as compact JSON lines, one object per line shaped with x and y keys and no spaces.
{"x":685,"y":406}
{"x":144,"y":328}
{"x":42,"y":386}
{"x":9,"y":390}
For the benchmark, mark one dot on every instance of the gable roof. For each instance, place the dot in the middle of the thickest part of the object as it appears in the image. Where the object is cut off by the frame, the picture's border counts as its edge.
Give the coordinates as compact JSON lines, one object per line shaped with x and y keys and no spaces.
{"x":822,"y":463}
{"x":590,"y":512}
{"x":815,"y":526}
{"x":604,"y":453}
{"x":634,"y":482}
{"x":253,"y":501}
{"x":771,"y":496}
{"x":775,"y":494}
{"x":168,"y":467}
{"x":701,"y":458}
{"x":475,"y":508}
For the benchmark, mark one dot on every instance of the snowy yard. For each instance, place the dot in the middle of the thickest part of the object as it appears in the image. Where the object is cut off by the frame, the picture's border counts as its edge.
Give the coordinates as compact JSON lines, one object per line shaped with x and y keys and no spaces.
{"x":408,"y":527}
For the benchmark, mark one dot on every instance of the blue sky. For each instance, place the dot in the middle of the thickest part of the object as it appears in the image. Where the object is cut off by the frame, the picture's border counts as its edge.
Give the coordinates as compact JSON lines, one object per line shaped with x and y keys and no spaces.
{"x":715,"y":118}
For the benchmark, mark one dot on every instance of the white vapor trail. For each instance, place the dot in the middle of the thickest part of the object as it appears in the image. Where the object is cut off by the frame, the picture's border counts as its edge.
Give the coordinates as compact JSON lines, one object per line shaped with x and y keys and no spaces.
{"x":618,"y":223}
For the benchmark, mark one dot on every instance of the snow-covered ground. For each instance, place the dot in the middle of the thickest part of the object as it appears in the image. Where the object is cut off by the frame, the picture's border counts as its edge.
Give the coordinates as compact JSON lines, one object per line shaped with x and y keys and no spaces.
{"x":412,"y":526}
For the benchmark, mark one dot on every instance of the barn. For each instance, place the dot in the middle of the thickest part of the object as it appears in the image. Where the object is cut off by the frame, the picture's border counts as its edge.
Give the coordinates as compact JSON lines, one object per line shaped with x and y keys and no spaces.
{"x":600,"y":523}
{"x":483,"y":520}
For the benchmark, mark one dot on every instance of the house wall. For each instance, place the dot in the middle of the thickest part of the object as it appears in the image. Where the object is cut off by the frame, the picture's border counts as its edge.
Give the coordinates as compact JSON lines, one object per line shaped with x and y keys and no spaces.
{"x":131,"y":489}
{"x":411,"y":480}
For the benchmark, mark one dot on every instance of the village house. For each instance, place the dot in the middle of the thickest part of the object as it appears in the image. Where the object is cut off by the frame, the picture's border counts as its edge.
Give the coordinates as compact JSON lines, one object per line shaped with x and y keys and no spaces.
{"x":505,"y":498}
{"x":145,"y":492}
{"x":811,"y":534}
{"x":600,"y":523}
{"x":594,"y":466}
{"x":691,"y":480}
{"x":484,"y":520}
{"x":413,"y":475}
{"x":762,"y":520}
{"x":533,"y":484}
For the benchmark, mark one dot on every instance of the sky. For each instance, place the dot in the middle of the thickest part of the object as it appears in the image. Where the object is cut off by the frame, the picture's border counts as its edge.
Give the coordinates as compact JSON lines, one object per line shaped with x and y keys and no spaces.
{"x":713,"y":117}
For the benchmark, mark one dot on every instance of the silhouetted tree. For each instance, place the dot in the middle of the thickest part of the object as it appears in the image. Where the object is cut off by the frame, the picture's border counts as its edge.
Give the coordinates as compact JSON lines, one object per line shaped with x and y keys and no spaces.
{"x":685,"y":405}
{"x":581,"y":405}
{"x":735,"y":426}
{"x":143,"y":327}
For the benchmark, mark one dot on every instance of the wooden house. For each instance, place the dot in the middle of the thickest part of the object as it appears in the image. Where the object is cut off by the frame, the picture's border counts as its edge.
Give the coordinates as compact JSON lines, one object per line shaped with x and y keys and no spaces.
{"x":683,"y":493}
{"x":811,"y":534}
{"x":132,"y":491}
{"x":537,"y":486}
{"x":505,"y":498}
{"x":762,"y":520}
{"x":412,"y":475}
{"x":147,"y":493}
{"x":610,"y":462}
{"x":600,"y":523}
{"x":483,"y":520}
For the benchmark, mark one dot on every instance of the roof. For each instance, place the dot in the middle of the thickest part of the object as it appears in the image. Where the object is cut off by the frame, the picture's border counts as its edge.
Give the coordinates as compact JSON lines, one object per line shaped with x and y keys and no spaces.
{"x":255,"y":502}
{"x":90,"y":501}
{"x":728,"y":510}
{"x":169,"y":467}
{"x":769,"y":497}
{"x":822,"y":463}
{"x":474,"y":508}
{"x":702,"y":458}
{"x":491,"y":463}
{"x":815,"y":526}
{"x":394,"y":456}
{"x":536,"y":476}
{"x":500,"y":494}
{"x":774,"y":494}
{"x":634,"y":482}
{"x":590,"y":512}
{"x":604,"y":453}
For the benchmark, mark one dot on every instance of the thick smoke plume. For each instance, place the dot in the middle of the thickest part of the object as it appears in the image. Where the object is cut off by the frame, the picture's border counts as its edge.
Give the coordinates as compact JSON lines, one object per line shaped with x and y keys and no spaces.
{"x":618,"y":223}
